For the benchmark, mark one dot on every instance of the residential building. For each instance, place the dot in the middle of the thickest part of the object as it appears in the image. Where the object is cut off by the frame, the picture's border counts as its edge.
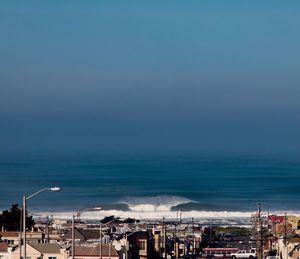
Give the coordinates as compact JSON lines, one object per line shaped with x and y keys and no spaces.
{"x":294,"y":221}
{"x":5,"y":251}
{"x":41,"y":251}
{"x":141,"y":245}
{"x":83,"y":235}
{"x":94,"y":252}
{"x":11,"y":238}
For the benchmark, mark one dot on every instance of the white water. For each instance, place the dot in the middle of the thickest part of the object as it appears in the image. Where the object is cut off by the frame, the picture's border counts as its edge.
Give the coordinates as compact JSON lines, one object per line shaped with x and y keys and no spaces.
{"x":158,"y":207}
{"x":222,"y":218}
{"x":162,"y":203}
{"x":155,"y":215}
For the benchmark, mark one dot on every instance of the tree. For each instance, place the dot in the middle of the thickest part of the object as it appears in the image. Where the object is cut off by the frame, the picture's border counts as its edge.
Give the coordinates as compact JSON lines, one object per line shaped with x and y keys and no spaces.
{"x":10,"y":219}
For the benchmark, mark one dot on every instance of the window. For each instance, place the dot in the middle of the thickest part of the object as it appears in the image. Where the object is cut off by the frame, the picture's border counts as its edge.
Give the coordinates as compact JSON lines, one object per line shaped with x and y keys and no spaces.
{"x":8,"y":241}
{"x":52,"y":257}
{"x":142,"y":244}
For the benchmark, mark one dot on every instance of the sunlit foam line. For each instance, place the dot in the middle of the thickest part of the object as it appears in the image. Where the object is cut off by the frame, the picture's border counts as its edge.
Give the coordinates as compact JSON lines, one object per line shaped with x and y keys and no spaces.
{"x":95,"y":215}
{"x":151,"y":215}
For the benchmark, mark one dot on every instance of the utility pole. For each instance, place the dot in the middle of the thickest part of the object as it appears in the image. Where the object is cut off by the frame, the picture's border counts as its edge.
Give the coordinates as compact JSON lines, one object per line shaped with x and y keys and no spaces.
{"x":20,"y":233}
{"x":47,"y":231}
{"x":73,"y":237}
{"x":180,"y":216}
{"x":285,"y":235}
{"x":165,"y":238}
{"x":126,"y":244}
{"x":210,"y":231}
{"x":259,"y":232}
{"x":194,"y":241}
{"x":100,"y":241}
{"x":109,"y":251}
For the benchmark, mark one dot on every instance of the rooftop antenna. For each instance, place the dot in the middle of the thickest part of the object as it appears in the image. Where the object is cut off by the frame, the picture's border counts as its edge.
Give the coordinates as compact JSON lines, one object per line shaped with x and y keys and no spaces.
{"x":180,"y":216}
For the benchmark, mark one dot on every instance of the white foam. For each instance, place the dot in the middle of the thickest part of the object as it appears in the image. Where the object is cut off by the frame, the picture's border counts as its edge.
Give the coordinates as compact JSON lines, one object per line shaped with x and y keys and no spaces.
{"x":158,"y":207}
{"x":154,"y":204}
{"x":154,"y":215}
{"x":225,"y":216}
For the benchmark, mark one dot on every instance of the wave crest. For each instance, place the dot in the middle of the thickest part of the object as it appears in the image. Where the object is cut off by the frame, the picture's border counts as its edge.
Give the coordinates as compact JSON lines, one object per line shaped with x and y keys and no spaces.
{"x":154,"y":203}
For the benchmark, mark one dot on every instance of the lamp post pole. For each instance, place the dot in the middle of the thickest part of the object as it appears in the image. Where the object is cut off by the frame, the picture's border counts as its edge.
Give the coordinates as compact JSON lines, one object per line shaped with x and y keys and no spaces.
{"x":53,"y":189}
{"x":24,"y":226}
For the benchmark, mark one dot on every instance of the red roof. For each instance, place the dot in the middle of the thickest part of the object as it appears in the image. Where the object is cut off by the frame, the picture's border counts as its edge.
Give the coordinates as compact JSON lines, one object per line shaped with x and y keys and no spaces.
{"x":276,"y":219}
{"x":9,"y":234}
{"x":89,"y":251}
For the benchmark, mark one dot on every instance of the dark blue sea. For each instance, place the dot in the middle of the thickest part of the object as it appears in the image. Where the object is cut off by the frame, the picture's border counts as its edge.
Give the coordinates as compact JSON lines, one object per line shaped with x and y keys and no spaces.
{"x":142,"y":185}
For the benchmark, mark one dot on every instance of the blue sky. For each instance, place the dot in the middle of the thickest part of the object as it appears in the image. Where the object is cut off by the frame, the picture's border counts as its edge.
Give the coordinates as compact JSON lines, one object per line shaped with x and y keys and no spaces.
{"x":209,"y":76}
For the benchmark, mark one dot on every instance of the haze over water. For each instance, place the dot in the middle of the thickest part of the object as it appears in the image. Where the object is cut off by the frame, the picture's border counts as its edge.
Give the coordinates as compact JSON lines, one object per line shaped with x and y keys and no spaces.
{"x":193,"y":103}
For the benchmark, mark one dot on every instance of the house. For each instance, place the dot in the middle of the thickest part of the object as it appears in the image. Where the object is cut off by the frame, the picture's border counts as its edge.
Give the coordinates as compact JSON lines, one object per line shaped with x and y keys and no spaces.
{"x":295,"y":222}
{"x":93,"y":252}
{"x":41,"y":251}
{"x":11,"y":238}
{"x":35,"y":237}
{"x":282,"y":228}
{"x":83,"y":235}
{"x":5,"y":251}
{"x":288,"y":245}
{"x":141,"y":245}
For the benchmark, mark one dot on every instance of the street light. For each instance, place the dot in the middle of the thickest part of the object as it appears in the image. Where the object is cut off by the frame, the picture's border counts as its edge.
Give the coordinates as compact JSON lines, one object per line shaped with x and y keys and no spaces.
{"x":78,"y":213}
{"x":53,"y":189}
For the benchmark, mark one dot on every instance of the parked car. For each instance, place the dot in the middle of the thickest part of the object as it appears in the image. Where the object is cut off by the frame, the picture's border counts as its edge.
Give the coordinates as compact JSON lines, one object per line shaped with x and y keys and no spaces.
{"x":243,"y":254}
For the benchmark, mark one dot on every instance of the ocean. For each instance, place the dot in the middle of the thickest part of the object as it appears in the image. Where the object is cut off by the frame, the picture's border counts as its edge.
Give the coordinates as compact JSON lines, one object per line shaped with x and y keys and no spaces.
{"x":152,"y":186}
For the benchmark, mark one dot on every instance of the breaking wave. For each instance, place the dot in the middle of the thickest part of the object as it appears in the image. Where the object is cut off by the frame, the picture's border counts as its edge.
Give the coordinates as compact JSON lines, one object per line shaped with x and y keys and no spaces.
{"x":154,"y":204}
{"x":166,"y":206}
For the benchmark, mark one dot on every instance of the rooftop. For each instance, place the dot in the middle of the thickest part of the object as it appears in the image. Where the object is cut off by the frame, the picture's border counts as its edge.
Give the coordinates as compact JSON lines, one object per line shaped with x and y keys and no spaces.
{"x":47,"y":248}
{"x":9,"y":234}
{"x":95,"y":250}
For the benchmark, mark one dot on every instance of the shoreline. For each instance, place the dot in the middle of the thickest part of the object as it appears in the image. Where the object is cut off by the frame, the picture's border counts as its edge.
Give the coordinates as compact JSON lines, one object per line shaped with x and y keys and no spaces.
{"x":222,"y":218}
